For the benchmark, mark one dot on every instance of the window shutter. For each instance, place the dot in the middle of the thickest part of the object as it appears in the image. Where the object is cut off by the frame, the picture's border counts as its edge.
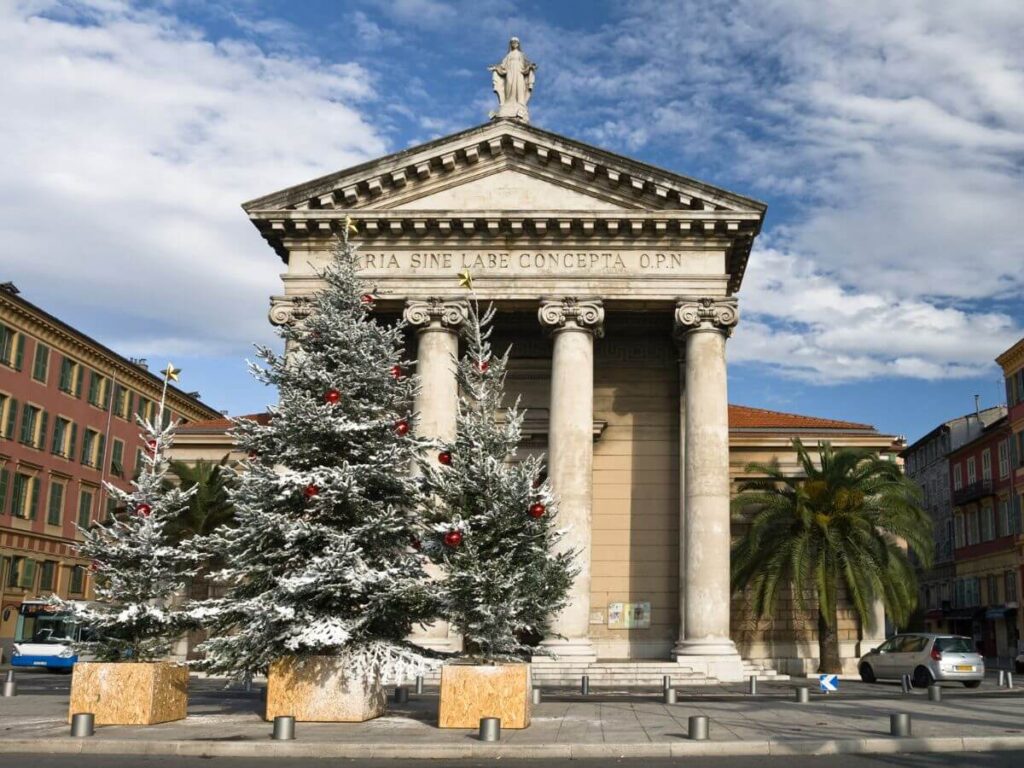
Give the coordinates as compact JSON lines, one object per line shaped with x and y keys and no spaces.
{"x":73,"y":441}
{"x":84,"y":458}
{"x":44,"y":417}
{"x":56,"y":504}
{"x":107,"y":392}
{"x":55,"y":443}
{"x":17,"y":503}
{"x":26,"y":424}
{"x":19,"y":351}
{"x":79,"y":379}
{"x":33,"y":503}
{"x":28,"y":573}
{"x":12,"y":419}
{"x":5,"y":477}
{"x":93,"y":387}
{"x":101,"y":452}
{"x":65,"y":375}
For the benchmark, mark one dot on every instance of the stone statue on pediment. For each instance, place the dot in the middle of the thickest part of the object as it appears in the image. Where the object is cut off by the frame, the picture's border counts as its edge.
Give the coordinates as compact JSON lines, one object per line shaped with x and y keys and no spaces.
{"x":512,"y":80}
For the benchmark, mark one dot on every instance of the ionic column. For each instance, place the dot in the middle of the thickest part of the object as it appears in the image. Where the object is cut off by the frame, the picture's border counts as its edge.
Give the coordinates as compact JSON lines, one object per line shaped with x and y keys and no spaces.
{"x":437,"y":405}
{"x":574,"y":324}
{"x":682,"y":493}
{"x":705,"y":323}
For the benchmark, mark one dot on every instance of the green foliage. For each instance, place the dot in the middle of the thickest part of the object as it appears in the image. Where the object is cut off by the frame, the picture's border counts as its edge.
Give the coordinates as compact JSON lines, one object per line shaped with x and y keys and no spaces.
{"x":841,"y":523}
{"x":209,"y":506}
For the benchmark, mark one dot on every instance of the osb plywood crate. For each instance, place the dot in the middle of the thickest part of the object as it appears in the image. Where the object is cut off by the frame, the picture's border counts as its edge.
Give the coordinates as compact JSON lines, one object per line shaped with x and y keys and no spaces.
{"x":320,"y":689}
{"x":472,"y":691}
{"x":127,"y":693}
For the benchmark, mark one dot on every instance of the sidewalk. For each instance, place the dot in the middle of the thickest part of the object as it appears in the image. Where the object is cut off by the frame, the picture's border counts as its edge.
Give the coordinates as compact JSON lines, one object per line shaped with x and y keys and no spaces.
{"x":566,"y":725}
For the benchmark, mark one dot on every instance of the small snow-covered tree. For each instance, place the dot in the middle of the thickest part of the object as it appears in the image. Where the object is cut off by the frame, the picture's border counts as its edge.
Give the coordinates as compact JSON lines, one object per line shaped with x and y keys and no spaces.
{"x":491,"y":524}
{"x":320,"y":562}
{"x":138,"y":568}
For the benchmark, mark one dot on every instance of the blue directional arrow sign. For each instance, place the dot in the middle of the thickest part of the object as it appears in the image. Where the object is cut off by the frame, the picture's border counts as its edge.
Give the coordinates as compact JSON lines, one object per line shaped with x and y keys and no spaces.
{"x":828,"y":683}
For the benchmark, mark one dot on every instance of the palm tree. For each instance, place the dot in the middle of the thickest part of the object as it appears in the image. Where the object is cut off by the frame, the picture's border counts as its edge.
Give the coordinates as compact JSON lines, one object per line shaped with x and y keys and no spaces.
{"x":210,"y":507}
{"x":842,"y":525}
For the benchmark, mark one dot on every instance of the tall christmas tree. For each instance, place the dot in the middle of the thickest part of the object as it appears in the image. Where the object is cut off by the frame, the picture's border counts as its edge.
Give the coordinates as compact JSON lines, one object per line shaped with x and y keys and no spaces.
{"x":320,"y":562}
{"x":491,"y":523}
{"x":138,"y":569}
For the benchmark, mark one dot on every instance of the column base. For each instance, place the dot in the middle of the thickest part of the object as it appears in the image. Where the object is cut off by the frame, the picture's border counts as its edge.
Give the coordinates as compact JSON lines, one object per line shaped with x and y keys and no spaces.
{"x":715,"y":657}
{"x":577,"y":650}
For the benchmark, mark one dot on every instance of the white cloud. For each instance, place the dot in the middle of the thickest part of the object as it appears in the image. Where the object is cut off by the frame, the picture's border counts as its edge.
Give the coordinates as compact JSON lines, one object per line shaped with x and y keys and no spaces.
{"x":130,"y":140}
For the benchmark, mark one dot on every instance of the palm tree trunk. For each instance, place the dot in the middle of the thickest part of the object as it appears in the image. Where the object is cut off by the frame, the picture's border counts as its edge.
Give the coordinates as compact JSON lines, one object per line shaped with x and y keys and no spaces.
{"x":828,"y":644}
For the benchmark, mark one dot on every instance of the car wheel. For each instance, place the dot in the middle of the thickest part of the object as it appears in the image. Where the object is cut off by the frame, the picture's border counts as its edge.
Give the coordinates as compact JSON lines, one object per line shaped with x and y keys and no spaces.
{"x":922,"y":677}
{"x":972,"y":683}
{"x":867,"y":674}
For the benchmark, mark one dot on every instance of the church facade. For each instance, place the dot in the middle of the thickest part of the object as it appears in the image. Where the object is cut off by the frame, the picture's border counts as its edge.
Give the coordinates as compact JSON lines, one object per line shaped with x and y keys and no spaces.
{"x":617,"y":286}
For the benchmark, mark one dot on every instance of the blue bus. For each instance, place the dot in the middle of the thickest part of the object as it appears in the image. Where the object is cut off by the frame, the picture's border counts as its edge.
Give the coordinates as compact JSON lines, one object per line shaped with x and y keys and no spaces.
{"x":44,"y":637}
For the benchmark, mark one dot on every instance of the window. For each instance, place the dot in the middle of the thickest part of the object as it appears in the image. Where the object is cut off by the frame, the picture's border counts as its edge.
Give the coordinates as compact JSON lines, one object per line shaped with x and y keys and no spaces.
{"x":986,"y":464}
{"x":24,"y":496}
{"x":99,"y":390}
{"x":117,"y":458}
{"x":33,"y":426}
{"x":1004,"y":517}
{"x":972,"y":472}
{"x":85,"y":500}
{"x":55,"y":504}
{"x":122,"y":402}
{"x":1004,"y":459}
{"x":77,"y":585}
{"x":958,"y":481}
{"x":47,"y":576}
{"x":65,"y":434}
{"x":145,"y":408}
{"x":8,"y":416}
{"x":139,"y":464}
{"x":988,"y":524}
{"x":960,"y":538}
{"x":972,"y":527}
{"x":12,"y":347}
{"x":992,"y":588}
{"x":92,"y":448}
{"x":23,"y":573}
{"x":71,"y":376}
{"x":41,"y":362}
{"x":1010,"y":586}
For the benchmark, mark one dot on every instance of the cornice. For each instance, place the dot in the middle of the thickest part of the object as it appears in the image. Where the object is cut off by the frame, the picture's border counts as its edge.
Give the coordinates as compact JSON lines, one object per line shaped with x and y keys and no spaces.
{"x":1012,"y":359}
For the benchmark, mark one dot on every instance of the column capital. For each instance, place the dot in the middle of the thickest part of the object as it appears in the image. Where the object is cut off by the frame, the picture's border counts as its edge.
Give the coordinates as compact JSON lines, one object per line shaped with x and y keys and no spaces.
{"x":572,"y":313}
{"x":285,"y":310}
{"x":436,"y":312}
{"x":707,"y":313}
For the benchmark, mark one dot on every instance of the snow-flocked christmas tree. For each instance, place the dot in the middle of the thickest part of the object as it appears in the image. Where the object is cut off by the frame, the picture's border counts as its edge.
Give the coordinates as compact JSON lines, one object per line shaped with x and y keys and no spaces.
{"x":320,"y":562}
{"x":491,"y":524}
{"x":138,"y":569}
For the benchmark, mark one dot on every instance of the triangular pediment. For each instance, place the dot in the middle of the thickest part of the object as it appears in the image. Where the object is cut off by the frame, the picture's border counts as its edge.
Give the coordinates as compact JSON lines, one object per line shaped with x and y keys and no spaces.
{"x":501,"y":166}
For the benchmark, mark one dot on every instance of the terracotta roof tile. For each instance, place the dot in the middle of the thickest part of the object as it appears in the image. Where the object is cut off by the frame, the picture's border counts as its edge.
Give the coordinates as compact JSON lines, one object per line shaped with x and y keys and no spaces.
{"x":745,"y":417}
{"x":225,"y":422}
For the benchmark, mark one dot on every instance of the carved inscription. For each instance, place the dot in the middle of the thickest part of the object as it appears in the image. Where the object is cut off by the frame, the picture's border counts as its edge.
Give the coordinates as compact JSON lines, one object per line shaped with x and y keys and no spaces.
{"x":523,"y":261}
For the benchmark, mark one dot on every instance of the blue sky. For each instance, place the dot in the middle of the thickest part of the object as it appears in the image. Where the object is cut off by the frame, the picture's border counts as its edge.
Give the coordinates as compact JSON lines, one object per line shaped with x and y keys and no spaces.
{"x":886,"y":138}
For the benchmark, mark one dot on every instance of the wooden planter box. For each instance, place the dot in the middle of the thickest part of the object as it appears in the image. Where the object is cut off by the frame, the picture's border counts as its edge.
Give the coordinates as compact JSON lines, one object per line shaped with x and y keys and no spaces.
{"x":319,"y":689}
{"x":472,"y":691}
{"x":127,"y":693}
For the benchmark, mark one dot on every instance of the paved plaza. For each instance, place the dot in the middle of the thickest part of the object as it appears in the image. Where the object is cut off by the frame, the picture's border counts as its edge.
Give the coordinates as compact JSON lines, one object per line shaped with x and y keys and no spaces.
{"x":631,"y":722}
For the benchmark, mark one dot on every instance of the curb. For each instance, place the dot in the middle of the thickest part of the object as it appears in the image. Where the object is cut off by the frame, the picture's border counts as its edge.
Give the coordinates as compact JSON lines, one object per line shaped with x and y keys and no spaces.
{"x":682,"y":748}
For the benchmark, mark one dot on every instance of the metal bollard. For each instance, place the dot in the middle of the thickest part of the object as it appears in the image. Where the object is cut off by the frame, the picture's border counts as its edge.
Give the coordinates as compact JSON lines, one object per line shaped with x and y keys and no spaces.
{"x":536,"y":696}
{"x":284,"y":728}
{"x":899,"y":724}
{"x":906,"y":683}
{"x":803,"y":695}
{"x":934,"y":693}
{"x":401,"y":695}
{"x":585,"y":685}
{"x":1009,"y":679}
{"x":490,"y":729}
{"x":10,"y":685}
{"x":82,"y":724}
{"x":666,"y":682}
{"x":698,"y":728}
{"x":752,"y":685}
{"x":1002,"y":678}
{"x":419,"y":684}
{"x":670,"y":695}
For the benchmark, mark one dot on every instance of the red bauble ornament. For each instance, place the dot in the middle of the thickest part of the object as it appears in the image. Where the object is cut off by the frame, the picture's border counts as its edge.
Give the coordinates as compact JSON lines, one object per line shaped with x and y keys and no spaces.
{"x":416,"y":543}
{"x":484,"y":366}
{"x":311,"y":491}
{"x":94,"y":565}
{"x":445,"y":458}
{"x":366,"y":298}
{"x":143,"y":510}
{"x":402,"y":427}
{"x":537,"y":509}
{"x":332,"y":396}
{"x":453,"y":539}
{"x":151,"y":446}
{"x":396,"y":371}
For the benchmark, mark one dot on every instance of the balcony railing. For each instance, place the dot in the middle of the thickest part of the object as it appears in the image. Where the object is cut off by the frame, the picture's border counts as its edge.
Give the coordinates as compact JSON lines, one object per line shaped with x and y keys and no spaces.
{"x":973,"y":492}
